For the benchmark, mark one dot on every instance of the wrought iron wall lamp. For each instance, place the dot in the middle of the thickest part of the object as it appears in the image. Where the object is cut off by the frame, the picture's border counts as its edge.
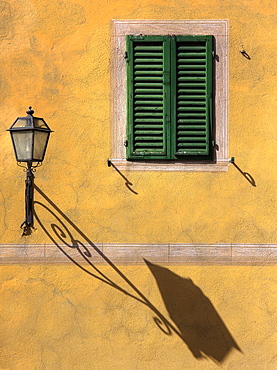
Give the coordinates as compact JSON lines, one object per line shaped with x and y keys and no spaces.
{"x":30,"y":137}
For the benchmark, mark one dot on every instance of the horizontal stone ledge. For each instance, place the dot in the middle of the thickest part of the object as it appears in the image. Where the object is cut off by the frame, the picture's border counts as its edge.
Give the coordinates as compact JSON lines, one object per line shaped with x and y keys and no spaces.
{"x":128,"y":253}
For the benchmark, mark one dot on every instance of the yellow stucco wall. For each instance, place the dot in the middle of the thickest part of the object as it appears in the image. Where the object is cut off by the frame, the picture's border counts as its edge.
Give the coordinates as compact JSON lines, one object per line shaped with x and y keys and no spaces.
{"x":60,"y":317}
{"x":55,"y":56}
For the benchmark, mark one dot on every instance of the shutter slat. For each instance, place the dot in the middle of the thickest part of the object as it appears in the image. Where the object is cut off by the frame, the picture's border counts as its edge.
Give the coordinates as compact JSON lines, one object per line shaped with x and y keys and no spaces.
{"x":191,"y":73}
{"x":189,"y":117}
{"x":146,"y":73}
{"x":148,"y":132}
{"x":190,"y":97}
{"x":148,"y":103}
{"x":192,"y":109}
{"x":191,"y":67}
{"x":200,"y":93}
{"x":145,"y":84}
{"x":156,"y":60}
{"x":192,"y":47}
{"x":185,"y":102}
{"x":197,"y":61}
{"x":187,"y":55}
{"x":148,"y":145}
{"x":149,"y":109}
{"x":191,"y":127}
{"x":192,"y":84}
{"x":149,"y":91}
{"x":188,"y":121}
{"x":148,"y":67}
{"x":148,"y":120}
{"x":189,"y":79}
{"x":146,"y":114}
{"x":148,"y":126}
{"x":149,"y":78}
{"x":145,"y":54}
{"x":152,"y":48}
{"x":191,"y":133}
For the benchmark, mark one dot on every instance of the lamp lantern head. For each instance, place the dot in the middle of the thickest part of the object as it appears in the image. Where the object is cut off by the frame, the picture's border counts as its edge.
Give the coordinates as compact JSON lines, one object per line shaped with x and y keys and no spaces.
{"x":30,"y":137}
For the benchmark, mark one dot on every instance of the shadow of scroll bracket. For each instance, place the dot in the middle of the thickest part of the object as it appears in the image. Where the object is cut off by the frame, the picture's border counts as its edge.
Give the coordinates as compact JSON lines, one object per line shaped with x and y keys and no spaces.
{"x":62,"y":233}
{"x":128,"y":184}
{"x":247,"y":175}
{"x":245,"y":54}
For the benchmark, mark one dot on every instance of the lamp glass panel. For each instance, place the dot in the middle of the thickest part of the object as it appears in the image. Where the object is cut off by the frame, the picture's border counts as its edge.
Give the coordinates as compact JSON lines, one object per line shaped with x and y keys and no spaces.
{"x":22,"y":141}
{"x":39,"y":123}
{"x":22,"y":122}
{"x":40,"y":143}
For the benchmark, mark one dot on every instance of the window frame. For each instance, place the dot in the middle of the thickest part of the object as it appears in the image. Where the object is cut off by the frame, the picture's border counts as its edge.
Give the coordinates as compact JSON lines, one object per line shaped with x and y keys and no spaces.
{"x":217,"y":28}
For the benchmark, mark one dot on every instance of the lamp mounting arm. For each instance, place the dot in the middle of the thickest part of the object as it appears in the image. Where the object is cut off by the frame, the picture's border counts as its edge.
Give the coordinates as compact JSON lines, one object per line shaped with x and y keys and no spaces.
{"x":28,"y":224}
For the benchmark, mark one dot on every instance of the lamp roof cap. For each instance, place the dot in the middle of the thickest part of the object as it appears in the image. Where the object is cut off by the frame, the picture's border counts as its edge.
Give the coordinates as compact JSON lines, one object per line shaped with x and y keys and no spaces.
{"x":30,"y":111}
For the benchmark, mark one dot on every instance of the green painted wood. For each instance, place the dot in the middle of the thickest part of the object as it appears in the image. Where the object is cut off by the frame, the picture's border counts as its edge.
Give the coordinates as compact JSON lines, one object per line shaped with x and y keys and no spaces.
{"x":169,"y":97}
{"x":191,"y":124}
{"x":147,"y":72}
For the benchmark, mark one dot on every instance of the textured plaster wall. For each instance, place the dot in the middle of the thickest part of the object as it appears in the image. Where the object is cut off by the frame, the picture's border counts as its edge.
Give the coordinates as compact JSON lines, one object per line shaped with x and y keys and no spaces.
{"x":60,"y":317}
{"x":55,"y":56}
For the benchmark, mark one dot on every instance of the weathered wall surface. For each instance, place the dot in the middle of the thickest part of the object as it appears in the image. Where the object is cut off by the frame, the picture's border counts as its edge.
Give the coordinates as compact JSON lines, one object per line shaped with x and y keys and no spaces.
{"x":55,"y":56}
{"x":59,"y":317}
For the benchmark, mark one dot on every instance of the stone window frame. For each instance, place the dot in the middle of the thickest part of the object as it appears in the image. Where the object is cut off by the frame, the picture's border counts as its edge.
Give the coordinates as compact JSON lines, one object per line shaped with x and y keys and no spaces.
{"x":119,"y":30}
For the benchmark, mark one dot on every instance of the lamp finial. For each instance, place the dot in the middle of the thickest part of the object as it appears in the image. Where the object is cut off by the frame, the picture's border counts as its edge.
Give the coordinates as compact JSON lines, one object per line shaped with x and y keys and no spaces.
{"x":30,"y":111}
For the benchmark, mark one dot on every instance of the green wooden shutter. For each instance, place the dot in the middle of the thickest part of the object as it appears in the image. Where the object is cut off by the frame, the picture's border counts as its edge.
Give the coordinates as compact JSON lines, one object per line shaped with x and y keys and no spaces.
{"x":192,"y":95}
{"x":148,"y":95}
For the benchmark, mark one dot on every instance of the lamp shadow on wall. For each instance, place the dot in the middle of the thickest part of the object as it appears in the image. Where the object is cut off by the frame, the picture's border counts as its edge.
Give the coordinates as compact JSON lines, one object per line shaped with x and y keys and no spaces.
{"x":193,"y":313}
{"x":196,"y":321}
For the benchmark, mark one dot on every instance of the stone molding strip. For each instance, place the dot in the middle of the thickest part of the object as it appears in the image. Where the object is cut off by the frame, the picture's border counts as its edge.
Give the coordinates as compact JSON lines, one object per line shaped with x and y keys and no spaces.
{"x":118,"y":253}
